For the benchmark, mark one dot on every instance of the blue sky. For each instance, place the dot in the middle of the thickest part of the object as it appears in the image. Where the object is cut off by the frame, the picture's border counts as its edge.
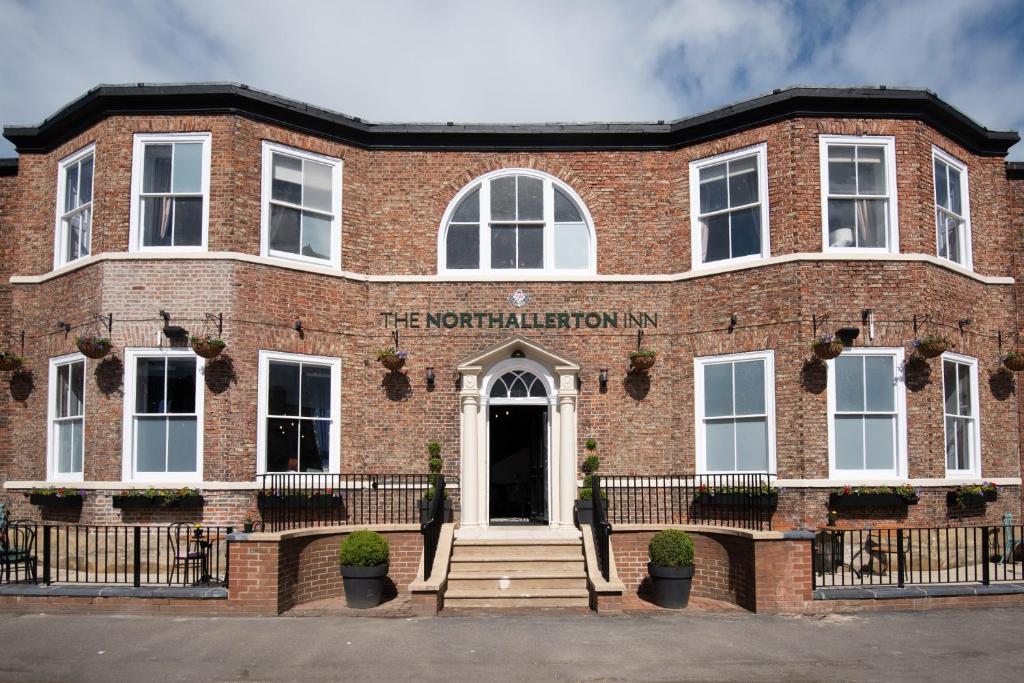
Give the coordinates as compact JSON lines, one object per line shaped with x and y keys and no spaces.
{"x":528,"y":60}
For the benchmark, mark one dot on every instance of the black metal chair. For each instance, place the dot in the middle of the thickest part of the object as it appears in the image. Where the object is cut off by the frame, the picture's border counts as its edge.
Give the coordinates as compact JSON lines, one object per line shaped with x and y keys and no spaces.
{"x":17,"y":548}
{"x":184,"y":550}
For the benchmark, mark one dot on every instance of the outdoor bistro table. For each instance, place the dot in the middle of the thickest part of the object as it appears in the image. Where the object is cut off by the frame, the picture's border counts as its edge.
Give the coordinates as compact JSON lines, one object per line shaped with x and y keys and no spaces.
{"x":206,"y":546}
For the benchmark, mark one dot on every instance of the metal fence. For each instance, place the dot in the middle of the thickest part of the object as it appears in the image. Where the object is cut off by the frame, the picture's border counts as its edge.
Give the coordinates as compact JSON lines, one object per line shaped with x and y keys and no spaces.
{"x":292,"y":501}
{"x":746,"y":501}
{"x":917,"y":556}
{"x":180,"y":554}
{"x":431,"y":526}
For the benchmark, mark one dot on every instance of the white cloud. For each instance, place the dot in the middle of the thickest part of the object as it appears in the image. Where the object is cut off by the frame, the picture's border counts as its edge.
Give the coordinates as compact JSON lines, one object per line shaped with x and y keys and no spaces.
{"x":523,"y":61}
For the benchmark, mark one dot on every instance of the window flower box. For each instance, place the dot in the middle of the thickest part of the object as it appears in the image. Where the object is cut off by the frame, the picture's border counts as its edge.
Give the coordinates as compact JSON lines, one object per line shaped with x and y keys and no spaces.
{"x":737,"y":499}
{"x":56,"y":497}
{"x":973,"y":494}
{"x":299,"y":500}
{"x":155,"y":498}
{"x":872,"y":497}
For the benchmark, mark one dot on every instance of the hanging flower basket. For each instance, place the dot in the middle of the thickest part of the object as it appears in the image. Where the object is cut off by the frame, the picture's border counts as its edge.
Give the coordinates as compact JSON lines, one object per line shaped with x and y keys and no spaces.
{"x":931,"y":346}
{"x":10,"y":361}
{"x":93,"y":347}
{"x":1014,"y":360}
{"x":208,"y":347}
{"x":642,"y":361}
{"x":392,"y":359}
{"x":827,"y":347}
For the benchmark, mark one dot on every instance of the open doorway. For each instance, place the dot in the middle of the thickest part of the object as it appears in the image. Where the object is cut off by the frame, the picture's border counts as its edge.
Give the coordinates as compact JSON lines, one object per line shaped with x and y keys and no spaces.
{"x":518,"y":464}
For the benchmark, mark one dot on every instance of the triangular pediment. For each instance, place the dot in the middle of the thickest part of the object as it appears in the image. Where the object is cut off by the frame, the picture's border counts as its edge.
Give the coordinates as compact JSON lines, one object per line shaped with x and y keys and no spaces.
{"x":530,"y":349}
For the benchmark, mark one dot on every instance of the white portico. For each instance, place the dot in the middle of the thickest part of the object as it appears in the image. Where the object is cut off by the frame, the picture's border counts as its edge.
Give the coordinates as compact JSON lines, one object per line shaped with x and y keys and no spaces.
{"x":516,"y":374}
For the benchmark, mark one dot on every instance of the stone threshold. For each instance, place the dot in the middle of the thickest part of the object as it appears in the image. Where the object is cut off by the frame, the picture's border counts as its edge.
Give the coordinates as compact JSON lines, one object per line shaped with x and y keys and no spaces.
{"x":148,"y":592}
{"x":916,"y":592}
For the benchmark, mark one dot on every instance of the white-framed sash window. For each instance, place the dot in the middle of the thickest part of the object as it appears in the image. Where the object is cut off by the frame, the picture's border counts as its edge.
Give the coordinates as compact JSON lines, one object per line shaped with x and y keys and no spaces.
{"x":960,"y":415}
{"x":299,"y":399}
{"x":858,"y":193}
{"x":952,"y":209}
{"x":163,"y":415}
{"x":301,"y":205}
{"x":74,"y":206}
{"x":867,"y":423}
{"x":66,"y":442}
{"x":729,"y":207}
{"x":170,"y":207}
{"x":735,"y":413}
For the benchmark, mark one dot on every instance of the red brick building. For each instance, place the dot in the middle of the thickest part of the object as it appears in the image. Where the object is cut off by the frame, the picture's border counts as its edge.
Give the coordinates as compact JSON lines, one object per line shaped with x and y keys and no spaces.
{"x":520,"y":266}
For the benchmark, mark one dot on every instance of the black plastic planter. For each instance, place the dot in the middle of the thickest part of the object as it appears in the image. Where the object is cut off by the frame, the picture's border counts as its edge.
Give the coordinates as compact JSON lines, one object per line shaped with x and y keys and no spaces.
{"x":966,"y":499}
{"x":425,"y":511}
{"x":671,"y":585}
{"x":585,"y":511}
{"x":137,"y":502}
{"x":364,"y":586}
{"x":868,"y":500}
{"x":55,"y":501}
{"x":758,"y":500}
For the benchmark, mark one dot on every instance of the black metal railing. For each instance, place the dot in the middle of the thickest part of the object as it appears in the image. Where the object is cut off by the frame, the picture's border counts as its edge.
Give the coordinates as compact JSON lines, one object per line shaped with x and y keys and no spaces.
{"x":175,"y":555}
{"x":917,"y":556}
{"x":292,"y":501}
{"x":602,"y":529}
{"x":431,"y":526}
{"x":746,"y":501}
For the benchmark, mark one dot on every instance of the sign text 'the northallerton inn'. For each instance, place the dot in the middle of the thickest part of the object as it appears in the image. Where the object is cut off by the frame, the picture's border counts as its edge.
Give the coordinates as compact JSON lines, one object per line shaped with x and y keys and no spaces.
{"x":559,"y":320}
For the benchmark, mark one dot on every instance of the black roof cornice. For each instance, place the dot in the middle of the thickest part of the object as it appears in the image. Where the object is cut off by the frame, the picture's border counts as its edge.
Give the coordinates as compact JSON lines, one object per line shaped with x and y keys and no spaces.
{"x":229,"y":98}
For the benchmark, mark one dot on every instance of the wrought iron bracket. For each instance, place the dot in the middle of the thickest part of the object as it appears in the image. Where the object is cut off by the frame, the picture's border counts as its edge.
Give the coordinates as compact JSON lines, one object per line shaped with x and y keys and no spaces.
{"x":106,"y":320}
{"x":218,"y":320}
{"x":818,"y":322}
{"x":639,"y":338}
{"x":19,"y":337}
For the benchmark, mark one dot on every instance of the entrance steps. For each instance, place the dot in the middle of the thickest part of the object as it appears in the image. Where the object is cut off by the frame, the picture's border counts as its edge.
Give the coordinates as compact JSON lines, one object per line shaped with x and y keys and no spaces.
{"x":508,"y":572}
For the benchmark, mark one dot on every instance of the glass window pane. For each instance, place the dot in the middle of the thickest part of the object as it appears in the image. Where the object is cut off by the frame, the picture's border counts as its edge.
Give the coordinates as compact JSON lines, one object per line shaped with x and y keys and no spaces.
{"x":955,"y":194}
{"x":715,"y":237}
{"x":282,"y":445}
{"x":156,"y":168}
{"x":63,"y":382}
{"x":286,"y":179}
{"x":746,"y":232}
{"x":188,"y":221}
{"x":752,"y":445}
{"x":841,"y":171}
{"x":188,"y":167}
{"x":181,"y":444}
{"x":316,"y":390}
{"x":871,"y":223}
{"x":181,"y":385}
{"x":150,"y":444}
{"x":871,"y":170}
{"x":531,"y":199}
{"x":149,"y":385}
{"x":964,"y":382}
{"x":65,"y":446}
{"x":70,"y":187}
{"x":503,"y":246}
{"x":720,"y":448}
{"x":531,"y":247}
{"x":951,"y":237}
{"x":463,"y":246}
{"x":316,"y":236}
{"x":77,"y":386}
{"x":949,"y":387}
{"x":156,"y":221}
{"x":283,"y":389}
{"x":952,"y":461}
{"x":879,"y":442}
{"x":849,"y":374}
{"x":317,"y":186}
{"x":77,"y":235}
{"x":963,"y":443}
{"x":743,"y":181}
{"x":503,"y":199}
{"x":749,"y":378}
{"x":566,"y":210}
{"x":880,"y":374}
{"x":284,"y":229}
{"x":468,"y":210}
{"x":85,"y":181}
{"x":849,"y":442}
{"x":713,"y":189}
{"x":941,"y":184}
{"x":841,"y":223}
{"x":78,"y":446}
{"x":718,"y":389}
{"x":572,"y":245}
{"x":314,"y":448}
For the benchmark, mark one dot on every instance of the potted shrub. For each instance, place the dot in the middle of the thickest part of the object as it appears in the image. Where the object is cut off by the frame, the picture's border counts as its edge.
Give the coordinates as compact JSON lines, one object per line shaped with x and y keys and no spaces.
{"x":435,"y":465}
{"x":364,"y":568}
{"x":973,"y":494}
{"x":1014,"y":360}
{"x":585,"y":502}
{"x":642,"y":361}
{"x":671,"y":568}
{"x":10,"y":361}
{"x":873,"y":497}
{"x":392,"y":358}
{"x":827,"y":347}
{"x":932,"y":345}
{"x":93,"y":347}
{"x":249,"y":524}
{"x":56,"y":496}
{"x":207,"y":346}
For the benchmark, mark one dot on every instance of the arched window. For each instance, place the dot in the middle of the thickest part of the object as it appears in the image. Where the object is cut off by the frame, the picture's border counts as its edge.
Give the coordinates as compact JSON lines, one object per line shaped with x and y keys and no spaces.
{"x":518,"y":384}
{"x":516,"y":221}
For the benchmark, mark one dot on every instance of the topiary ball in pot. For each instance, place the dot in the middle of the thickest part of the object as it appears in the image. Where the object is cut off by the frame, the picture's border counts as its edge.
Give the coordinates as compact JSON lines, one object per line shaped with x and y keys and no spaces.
{"x":671,"y":568}
{"x":364,"y":559}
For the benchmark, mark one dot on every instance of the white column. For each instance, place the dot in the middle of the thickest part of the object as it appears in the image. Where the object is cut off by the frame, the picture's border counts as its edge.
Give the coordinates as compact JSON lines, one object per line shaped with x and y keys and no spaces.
{"x":567,"y":457}
{"x":470,"y":508}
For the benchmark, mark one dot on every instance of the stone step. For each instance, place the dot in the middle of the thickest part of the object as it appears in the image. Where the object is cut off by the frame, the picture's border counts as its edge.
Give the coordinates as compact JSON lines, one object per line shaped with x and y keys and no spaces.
{"x":501,"y":564}
{"x":539,"y":597}
{"x":516,"y":579}
{"x":571,"y":542}
{"x":526,"y":552}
